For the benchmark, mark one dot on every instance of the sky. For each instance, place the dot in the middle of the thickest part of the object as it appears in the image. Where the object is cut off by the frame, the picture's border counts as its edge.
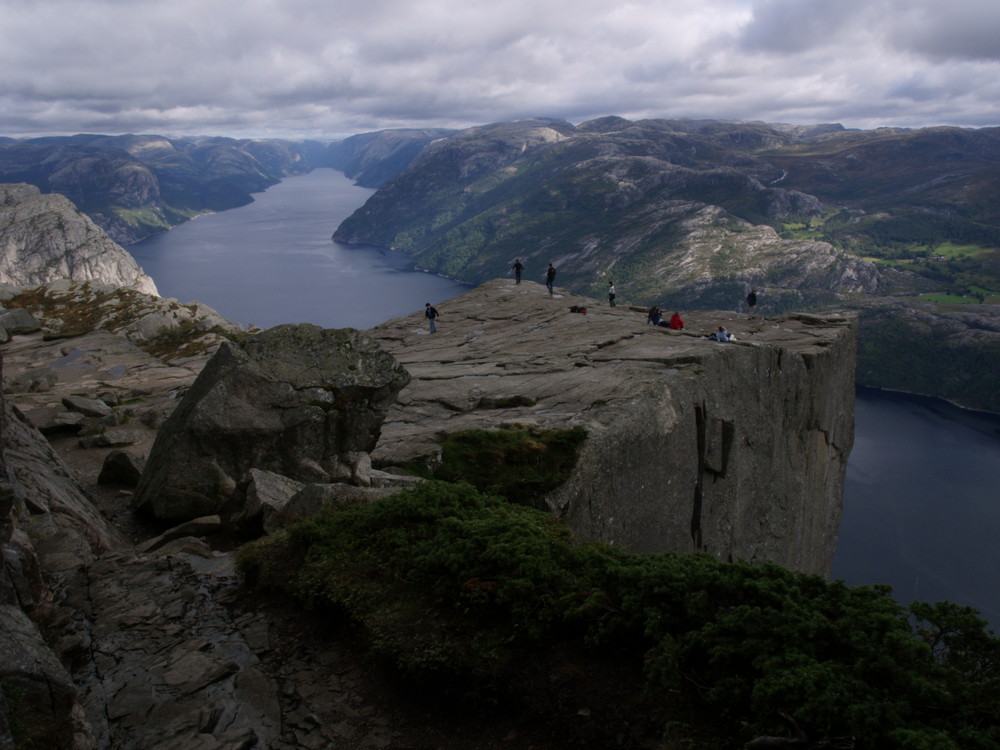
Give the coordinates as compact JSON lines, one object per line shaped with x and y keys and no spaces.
{"x":327,"y":69}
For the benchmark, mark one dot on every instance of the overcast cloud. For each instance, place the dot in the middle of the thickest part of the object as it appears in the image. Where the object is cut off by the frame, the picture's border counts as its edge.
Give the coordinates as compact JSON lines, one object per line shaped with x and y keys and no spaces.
{"x":331,"y":68}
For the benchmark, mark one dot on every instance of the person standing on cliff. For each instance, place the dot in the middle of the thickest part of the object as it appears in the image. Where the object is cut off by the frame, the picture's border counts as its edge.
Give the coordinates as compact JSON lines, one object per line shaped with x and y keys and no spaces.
{"x":611,"y":293}
{"x":550,"y":277}
{"x":431,"y":314}
{"x":752,"y":301}
{"x":517,"y":270}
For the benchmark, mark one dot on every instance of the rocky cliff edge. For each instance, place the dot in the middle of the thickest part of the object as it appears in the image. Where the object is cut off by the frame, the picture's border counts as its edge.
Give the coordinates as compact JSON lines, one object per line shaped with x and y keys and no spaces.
{"x":738,"y":449}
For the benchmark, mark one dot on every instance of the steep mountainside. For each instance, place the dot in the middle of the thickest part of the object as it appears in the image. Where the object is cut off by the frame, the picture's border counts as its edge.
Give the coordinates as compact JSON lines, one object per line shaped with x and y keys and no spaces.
{"x":658,"y":210}
{"x":44,"y":238}
{"x":373,"y":158}
{"x":692,"y":214}
{"x":137,"y":185}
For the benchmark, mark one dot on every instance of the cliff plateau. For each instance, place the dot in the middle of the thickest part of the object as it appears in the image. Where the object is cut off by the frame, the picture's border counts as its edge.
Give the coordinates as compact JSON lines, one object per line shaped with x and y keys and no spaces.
{"x":114,"y":636}
{"x":738,"y":449}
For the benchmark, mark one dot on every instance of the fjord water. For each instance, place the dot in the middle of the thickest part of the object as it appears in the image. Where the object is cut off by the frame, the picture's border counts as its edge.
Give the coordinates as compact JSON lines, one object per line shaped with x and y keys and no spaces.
{"x":273,"y":262}
{"x":921,"y":505}
{"x":922,"y":501}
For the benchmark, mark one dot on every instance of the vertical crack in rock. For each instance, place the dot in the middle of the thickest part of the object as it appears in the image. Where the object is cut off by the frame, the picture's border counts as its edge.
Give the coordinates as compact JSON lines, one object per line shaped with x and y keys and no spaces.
{"x":699,"y":422}
{"x":718,"y":444}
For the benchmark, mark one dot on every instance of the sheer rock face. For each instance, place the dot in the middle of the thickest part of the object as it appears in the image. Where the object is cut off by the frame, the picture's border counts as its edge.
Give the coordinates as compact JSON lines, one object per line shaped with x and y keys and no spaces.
{"x":298,"y":400}
{"x":737,"y":449}
{"x":48,"y":528}
{"x":45,"y":237}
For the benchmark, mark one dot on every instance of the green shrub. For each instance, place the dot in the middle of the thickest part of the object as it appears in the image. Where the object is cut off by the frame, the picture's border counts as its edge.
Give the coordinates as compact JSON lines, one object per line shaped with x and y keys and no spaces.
{"x":460,"y":588}
{"x":521,"y":465}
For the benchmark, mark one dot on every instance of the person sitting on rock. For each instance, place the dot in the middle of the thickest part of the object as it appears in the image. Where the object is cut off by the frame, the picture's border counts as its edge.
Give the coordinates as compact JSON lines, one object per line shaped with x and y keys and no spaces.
{"x":721,"y":335}
{"x":676,"y":322}
{"x":653,"y":318}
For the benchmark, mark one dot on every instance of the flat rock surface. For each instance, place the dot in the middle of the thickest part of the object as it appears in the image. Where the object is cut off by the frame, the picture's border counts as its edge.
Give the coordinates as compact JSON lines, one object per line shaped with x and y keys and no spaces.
{"x":508,"y":342}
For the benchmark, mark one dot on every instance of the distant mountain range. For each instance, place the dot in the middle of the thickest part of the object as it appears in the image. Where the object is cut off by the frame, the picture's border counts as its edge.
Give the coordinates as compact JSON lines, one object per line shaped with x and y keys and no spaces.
{"x":901,"y":224}
{"x":694,"y":213}
{"x":133,"y":186}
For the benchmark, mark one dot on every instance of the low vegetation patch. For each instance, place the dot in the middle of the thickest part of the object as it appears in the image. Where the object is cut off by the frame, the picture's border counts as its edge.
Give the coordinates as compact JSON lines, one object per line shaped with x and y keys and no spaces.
{"x":464,"y":591}
{"x":88,"y":308}
{"x":521,"y":465}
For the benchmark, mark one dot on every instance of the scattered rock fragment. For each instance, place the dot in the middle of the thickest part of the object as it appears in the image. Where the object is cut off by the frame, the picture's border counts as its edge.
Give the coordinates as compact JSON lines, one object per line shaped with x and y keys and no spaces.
{"x":121,"y":467}
{"x":89,"y":407}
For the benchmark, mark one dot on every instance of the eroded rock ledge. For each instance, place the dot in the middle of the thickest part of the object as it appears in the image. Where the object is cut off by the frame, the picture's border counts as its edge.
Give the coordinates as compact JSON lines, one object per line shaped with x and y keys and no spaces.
{"x":736,"y":449}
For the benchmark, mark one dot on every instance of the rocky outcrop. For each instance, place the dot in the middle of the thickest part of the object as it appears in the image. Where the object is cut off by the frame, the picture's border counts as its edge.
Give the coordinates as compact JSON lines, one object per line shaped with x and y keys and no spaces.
{"x":48,"y":528}
{"x":142,"y":640}
{"x":43,"y":702}
{"x":45,"y":237}
{"x":147,"y":646}
{"x":157,"y":325}
{"x":736,"y":449}
{"x":298,"y":400}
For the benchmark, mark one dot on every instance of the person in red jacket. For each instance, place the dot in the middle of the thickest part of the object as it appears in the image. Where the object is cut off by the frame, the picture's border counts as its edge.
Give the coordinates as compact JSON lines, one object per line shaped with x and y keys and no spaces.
{"x":675,"y":321}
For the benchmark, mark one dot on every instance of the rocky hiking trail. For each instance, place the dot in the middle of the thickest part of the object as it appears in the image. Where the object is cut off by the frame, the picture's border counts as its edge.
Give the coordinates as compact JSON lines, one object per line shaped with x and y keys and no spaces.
{"x":165,"y":649}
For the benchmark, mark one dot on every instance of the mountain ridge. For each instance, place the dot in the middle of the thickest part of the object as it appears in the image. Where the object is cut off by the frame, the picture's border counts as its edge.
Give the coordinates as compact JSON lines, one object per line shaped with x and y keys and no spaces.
{"x":695,"y":214}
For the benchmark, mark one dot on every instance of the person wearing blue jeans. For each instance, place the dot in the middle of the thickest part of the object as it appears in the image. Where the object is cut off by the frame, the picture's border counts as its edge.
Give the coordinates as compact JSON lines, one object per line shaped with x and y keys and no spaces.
{"x":550,"y":277}
{"x":431,"y":314}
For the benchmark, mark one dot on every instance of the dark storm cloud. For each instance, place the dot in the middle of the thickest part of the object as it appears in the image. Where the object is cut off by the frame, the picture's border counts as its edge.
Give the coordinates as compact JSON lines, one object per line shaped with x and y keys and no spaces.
{"x":329,"y":68}
{"x":968,"y":30}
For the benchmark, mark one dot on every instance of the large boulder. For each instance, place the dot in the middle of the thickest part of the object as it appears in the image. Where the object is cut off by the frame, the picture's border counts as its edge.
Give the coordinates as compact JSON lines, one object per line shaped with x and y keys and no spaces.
{"x":298,"y":400}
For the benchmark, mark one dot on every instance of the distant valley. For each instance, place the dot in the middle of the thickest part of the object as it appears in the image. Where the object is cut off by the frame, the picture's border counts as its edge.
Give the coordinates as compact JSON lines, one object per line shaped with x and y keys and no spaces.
{"x":899,"y":224}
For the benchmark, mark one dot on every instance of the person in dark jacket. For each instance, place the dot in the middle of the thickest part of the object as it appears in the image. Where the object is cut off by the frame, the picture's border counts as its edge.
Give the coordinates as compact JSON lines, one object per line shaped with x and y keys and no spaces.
{"x":431,"y":314}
